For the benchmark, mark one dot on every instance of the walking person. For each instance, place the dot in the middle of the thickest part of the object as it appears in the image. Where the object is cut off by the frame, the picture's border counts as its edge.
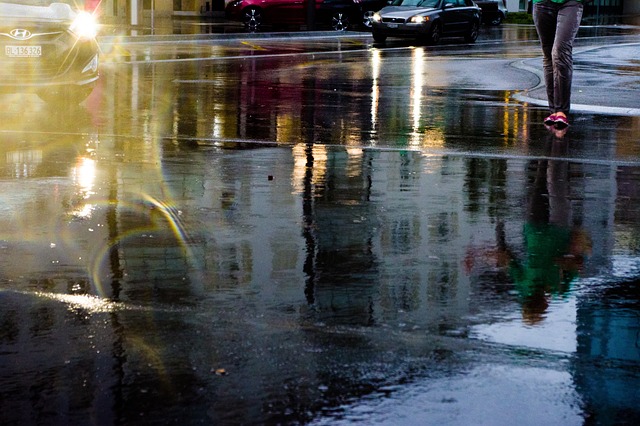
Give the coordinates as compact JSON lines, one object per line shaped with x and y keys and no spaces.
{"x":557,"y":23}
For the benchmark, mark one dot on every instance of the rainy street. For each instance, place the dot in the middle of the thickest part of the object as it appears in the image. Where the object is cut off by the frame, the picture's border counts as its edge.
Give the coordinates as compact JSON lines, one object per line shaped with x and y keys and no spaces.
{"x":314,"y":229}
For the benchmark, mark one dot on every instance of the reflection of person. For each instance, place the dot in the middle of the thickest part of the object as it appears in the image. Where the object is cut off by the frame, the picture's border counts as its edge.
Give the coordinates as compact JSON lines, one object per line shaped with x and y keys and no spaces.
{"x":554,"y":246}
{"x":557,"y":23}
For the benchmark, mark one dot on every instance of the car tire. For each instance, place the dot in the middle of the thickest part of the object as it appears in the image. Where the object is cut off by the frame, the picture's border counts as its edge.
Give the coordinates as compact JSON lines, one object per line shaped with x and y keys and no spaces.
{"x":379,"y":38}
{"x":252,"y":19}
{"x":435,"y":34}
{"x":497,"y":20}
{"x":472,"y":35}
{"x":367,"y":19}
{"x":66,"y":95}
{"x":340,"y":21}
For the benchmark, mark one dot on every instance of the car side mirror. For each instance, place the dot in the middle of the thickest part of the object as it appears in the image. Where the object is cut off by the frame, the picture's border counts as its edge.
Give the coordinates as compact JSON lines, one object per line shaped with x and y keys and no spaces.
{"x":448,"y":5}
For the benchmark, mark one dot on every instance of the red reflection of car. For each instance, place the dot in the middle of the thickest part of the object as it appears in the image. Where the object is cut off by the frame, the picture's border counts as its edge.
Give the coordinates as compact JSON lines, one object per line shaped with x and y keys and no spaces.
{"x":338,"y":14}
{"x":49,"y":48}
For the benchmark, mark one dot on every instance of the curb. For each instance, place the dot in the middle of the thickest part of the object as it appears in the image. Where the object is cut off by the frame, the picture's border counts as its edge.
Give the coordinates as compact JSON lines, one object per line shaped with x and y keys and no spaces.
{"x":528,"y":97}
{"x":191,"y":38}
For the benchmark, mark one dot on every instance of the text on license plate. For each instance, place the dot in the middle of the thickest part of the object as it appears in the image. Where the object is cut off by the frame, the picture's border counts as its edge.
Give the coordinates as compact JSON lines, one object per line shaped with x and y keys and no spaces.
{"x":392,"y":25}
{"x":23,"y":51}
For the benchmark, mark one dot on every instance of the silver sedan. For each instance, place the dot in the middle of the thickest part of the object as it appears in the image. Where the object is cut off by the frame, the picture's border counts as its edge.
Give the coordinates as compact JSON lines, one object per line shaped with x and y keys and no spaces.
{"x":427,"y":20}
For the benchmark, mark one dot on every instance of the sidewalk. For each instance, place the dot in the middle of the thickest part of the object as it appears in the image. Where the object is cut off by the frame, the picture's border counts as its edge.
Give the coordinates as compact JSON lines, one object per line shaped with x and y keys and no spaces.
{"x":606,"y":80}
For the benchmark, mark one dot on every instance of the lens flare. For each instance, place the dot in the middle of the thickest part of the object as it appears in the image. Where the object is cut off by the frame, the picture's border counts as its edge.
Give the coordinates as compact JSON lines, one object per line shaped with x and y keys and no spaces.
{"x":85,"y":26}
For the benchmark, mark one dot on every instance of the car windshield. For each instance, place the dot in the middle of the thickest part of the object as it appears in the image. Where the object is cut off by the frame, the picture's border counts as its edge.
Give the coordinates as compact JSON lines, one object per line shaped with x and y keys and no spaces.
{"x":417,"y":3}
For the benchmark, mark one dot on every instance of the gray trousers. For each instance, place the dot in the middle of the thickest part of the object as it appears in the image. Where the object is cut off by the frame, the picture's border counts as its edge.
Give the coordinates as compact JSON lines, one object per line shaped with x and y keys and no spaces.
{"x":557,"y":25}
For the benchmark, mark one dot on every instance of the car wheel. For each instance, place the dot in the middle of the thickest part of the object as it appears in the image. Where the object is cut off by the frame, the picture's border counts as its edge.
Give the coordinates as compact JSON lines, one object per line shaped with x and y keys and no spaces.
{"x":367,"y":19}
{"x":472,"y":35}
{"x":340,"y":21}
{"x":67,"y":95}
{"x":436,"y":34}
{"x":496,"y":21}
{"x":379,"y":38}
{"x":252,"y":19}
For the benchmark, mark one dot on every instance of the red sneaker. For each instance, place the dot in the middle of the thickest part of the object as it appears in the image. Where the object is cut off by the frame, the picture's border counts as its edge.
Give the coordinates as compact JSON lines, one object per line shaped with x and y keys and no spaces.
{"x":561,"y":122}
{"x":550,"y":120}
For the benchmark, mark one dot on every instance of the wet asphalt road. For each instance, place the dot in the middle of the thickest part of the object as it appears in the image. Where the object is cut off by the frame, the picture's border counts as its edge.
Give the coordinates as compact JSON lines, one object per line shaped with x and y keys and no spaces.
{"x":274,"y":230}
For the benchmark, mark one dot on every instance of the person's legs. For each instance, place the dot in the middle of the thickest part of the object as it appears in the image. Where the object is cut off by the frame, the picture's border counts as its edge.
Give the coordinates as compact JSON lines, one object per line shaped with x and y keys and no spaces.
{"x":545,"y":20}
{"x":557,"y":26}
{"x":569,"y":16}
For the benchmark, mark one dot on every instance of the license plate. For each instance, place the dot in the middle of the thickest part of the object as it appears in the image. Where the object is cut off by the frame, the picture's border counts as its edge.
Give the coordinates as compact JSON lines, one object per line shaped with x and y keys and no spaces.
{"x":23,"y":51}
{"x":392,"y":25}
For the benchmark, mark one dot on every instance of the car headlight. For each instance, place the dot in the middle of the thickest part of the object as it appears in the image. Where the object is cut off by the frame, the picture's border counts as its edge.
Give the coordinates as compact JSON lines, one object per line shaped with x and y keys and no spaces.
{"x":92,"y":66}
{"x":376,"y":17}
{"x":418,"y":19}
{"x":85,"y":26}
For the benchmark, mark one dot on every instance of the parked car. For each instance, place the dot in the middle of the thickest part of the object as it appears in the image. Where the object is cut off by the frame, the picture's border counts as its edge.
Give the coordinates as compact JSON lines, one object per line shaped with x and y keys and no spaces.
{"x":493,"y":11}
{"x":367,"y":8}
{"x":338,"y":14}
{"x":48,"y":48}
{"x":427,"y":20}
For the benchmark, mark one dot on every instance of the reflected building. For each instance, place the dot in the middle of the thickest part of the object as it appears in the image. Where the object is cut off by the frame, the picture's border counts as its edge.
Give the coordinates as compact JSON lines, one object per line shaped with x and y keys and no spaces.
{"x":608,"y":325}
{"x":605,"y":365}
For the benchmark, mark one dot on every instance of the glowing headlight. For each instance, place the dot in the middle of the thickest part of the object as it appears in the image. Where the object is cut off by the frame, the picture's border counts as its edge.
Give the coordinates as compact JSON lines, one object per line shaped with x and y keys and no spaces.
{"x":92,"y":66}
{"x":418,"y":19}
{"x":376,"y":17}
{"x":85,"y":26}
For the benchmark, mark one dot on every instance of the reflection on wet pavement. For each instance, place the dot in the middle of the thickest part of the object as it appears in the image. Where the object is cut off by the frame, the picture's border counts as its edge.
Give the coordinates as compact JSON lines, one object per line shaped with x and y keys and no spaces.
{"x":293,"y":240}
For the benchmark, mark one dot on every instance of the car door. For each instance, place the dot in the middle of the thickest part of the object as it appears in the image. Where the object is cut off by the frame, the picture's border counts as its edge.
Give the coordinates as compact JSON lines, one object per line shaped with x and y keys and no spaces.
{"x":284,"y":11}
{"x":468,"y":13}
{"x":453,"y":17}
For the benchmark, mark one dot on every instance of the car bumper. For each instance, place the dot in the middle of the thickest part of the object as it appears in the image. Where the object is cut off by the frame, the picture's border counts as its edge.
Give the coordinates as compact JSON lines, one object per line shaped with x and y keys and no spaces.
{"x":51,"y":64}
{"x":391,"y":29}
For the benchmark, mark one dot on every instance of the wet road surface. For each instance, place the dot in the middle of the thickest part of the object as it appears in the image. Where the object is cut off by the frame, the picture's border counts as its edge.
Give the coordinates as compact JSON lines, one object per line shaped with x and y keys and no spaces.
{"x":318,"y":231}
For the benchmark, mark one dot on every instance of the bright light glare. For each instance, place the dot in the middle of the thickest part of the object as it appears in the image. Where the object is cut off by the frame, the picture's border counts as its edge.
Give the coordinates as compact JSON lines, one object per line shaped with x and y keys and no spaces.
{"x":376,"y":17}
{"x":86,"y":174}
{"x":85,"y":26}
{"x":418,"y":19}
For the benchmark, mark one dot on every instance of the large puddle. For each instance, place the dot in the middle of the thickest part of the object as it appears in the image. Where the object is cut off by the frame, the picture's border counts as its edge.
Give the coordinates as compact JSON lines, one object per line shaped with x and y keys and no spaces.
{"x":290,"y":240}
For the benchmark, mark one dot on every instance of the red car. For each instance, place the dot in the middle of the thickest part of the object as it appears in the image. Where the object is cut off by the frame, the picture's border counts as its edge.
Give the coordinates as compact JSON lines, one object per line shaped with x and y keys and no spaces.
{"x":91,"y":5}
{"x":338,"y":14}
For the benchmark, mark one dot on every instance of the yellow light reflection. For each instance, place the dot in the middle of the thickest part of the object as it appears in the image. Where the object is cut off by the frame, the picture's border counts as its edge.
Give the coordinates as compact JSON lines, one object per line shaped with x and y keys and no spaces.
{"x":84,"y":175}
{"x":376,"y":61}
{"x":417,"y":81}
{"x":91,"y":304}
{"x":285,"y":126}
{"x":354,"y":166}
{"x":515,"y":121}
{"x":24,"y":162}
{"x":433,"y":138}
{"x":506,"y":119}
{"x":303,"y":158}
{"x":525,"y":121}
